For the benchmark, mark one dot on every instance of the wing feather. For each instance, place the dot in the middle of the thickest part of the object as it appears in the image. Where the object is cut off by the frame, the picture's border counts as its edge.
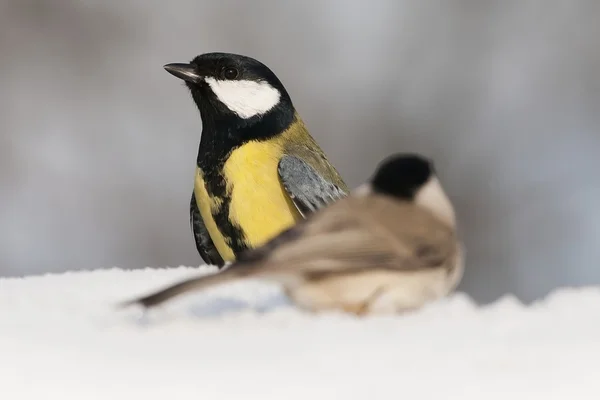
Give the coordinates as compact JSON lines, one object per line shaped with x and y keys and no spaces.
{"x":308,"y":189}
{"x":351,"y":235}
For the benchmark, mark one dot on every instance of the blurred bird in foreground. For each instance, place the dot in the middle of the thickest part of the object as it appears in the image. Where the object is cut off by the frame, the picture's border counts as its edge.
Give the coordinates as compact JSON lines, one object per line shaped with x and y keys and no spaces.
{"x":391,"y":246}
{"x":258,"y":169}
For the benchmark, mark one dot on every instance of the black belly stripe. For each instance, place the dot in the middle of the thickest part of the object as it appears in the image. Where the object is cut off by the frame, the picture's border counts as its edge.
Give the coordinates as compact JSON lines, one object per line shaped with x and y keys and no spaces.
{"x":233,"y":233}
{"x":234,"y":236}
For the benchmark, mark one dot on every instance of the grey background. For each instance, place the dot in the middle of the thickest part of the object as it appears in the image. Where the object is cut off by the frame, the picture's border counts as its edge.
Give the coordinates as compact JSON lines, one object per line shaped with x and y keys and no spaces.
{"x":98,"y":142}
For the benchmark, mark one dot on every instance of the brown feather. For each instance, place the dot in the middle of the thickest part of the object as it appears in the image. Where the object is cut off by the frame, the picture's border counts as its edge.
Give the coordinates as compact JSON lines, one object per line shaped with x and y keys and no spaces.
{"x":355,"y":236}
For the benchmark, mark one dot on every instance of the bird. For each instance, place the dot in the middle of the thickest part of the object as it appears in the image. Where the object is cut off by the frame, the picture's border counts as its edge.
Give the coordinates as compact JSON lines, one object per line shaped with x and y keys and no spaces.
{"x":390,"y":246}
{"x":258,"y":169}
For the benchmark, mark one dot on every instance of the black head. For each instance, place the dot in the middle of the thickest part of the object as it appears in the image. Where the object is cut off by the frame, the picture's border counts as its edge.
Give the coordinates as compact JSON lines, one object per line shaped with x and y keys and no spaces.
{"x":402,"y":175}
{"x":232,"y":85}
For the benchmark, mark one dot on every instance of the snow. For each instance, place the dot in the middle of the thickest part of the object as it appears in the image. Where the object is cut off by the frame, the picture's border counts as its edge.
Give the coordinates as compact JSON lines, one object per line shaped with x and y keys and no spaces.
{"x":61,"y":335}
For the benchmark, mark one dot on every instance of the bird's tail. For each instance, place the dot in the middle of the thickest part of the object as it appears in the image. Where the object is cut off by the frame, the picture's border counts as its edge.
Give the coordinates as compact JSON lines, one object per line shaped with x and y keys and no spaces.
{"x":233,"y":272}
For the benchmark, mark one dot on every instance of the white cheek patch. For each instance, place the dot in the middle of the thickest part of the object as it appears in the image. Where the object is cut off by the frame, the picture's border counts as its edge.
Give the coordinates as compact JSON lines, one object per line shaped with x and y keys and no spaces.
{"x":245,"y":98}
{"x":363,"y":190}
{"x":433,"y":197}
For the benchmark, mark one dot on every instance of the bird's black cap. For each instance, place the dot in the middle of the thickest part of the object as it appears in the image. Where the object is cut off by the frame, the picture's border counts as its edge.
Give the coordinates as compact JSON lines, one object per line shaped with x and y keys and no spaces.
{"x":402,"y":175}
{"x":226,"y":66}
{"x":207,"y":69}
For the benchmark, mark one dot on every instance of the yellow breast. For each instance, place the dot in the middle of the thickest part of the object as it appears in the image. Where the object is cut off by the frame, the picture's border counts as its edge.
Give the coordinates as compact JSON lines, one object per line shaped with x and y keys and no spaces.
{"x":259,"y":204}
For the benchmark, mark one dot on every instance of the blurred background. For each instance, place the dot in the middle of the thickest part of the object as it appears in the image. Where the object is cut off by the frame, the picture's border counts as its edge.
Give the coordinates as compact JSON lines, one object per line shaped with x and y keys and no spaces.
{"x":98,"y":142}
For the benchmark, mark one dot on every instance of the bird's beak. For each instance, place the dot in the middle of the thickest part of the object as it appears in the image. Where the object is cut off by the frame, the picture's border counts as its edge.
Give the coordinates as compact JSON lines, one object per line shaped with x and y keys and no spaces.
{"x":187,"y":72}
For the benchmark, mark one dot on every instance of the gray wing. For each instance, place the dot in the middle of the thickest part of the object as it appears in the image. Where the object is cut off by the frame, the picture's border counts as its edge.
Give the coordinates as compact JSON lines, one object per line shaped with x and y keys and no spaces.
{"x":307,"y":188}
{"x":204,"y":243}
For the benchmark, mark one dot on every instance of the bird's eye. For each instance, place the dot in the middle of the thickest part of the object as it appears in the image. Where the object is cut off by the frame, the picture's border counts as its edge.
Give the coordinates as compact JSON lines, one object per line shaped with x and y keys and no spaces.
{"x":230,"y":73}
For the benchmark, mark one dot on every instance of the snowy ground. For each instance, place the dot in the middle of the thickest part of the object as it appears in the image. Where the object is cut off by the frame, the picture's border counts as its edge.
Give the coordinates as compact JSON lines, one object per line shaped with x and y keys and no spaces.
{"x":61,"y":335}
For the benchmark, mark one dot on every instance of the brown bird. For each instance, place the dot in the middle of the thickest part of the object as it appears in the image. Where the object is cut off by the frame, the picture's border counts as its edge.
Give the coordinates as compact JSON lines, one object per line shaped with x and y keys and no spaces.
{"x":390,"y":246}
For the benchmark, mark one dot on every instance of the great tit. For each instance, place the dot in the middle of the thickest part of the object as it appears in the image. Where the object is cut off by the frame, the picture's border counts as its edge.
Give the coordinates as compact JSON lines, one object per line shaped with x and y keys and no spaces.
{"x":391,"y":246}
{"x":258,"y":169}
